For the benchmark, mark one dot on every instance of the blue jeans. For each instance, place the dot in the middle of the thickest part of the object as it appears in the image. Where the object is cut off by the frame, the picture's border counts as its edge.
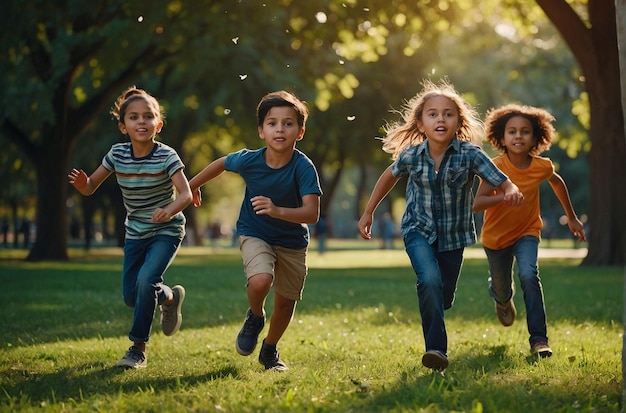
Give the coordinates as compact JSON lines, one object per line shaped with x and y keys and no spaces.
{"x":145,"y":262}
{"x":437,"y":277}
{"x":502,"y":285}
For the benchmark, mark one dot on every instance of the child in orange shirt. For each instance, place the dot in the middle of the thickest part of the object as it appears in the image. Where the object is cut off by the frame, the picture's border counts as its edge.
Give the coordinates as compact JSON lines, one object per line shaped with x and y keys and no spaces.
{"x":520,"y":133}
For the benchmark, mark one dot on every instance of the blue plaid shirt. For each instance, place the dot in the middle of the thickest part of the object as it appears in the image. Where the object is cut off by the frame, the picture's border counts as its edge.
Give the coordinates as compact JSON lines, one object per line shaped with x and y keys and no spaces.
{"x":439,"y":205}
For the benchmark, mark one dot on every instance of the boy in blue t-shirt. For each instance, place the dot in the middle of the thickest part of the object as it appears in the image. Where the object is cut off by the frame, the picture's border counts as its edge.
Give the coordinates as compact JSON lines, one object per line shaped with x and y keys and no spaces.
{"x":282,"y":197}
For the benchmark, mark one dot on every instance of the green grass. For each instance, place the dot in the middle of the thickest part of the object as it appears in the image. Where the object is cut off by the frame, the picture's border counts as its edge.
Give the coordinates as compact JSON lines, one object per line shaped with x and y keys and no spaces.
{"x":355,"y":344}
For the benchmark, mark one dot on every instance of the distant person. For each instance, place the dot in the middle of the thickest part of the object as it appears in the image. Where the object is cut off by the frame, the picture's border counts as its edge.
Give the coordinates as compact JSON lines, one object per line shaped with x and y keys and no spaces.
{"x":511,"y":233}
{"x":155,"y":191}
{"x":282,"y":196}
{"x":26,"y":232}
{"x":5,"y":232}
{"x":432,"y":146}
{"x":387,"y":229}
{"x":322,"y":228}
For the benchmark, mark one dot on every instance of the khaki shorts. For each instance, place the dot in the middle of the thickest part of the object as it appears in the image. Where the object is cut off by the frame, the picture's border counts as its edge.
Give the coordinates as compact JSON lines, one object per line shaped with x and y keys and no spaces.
{"x":287,"y":266}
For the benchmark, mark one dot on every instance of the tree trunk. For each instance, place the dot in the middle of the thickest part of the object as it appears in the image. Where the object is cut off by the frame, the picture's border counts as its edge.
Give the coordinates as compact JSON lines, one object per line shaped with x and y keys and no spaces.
{"x":51,"y":239}
{"x":595,"y":49}
{"x":620,"y":13}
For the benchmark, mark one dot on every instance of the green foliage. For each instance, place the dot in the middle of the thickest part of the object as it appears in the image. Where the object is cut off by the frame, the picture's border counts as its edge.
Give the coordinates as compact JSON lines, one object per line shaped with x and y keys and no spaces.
{"x":354,"y":345}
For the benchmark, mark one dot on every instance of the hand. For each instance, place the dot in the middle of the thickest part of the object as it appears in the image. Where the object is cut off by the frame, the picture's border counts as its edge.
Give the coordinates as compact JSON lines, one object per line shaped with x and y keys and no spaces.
{"x":160,"y":215}
{"x":365,"y":226}
{"x":513,"y":196}
{"x":577,"y":228}
{"x":78,"y":178}
{"x":197,"y":197}
{"x":263,"y":205}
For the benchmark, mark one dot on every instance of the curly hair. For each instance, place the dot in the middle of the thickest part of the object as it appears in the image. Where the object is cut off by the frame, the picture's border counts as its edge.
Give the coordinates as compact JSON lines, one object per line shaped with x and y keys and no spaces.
{"x":404,"y":133}
{"x":540,"y":119}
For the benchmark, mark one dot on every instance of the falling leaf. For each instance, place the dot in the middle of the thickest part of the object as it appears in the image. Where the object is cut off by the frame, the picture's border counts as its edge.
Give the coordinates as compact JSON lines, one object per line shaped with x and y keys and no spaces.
{"x":351,"y":118}
{"x":243,"y":77}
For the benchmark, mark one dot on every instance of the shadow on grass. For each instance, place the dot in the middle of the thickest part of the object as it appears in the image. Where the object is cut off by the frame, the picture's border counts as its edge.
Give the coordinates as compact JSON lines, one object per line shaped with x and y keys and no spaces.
{"x":81,"y":382}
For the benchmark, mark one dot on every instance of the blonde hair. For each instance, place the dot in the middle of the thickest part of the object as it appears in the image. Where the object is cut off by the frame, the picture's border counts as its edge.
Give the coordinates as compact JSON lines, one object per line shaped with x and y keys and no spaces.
{"x":401,"y":134}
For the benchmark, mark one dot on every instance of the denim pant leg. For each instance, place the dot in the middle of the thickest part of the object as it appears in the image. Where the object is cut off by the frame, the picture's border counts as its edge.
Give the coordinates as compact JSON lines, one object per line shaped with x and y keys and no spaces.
{"x":435,"y":288}
{"x":525,"y":251}
{"x":501,"y":284}
{"x":145,"y":262}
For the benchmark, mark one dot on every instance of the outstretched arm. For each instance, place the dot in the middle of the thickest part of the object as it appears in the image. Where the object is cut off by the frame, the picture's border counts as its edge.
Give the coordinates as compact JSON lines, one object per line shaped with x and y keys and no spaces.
{"x":385,"y":183}
{"x":212,"y":170}
{"x":87,"y":185}
{"x":560,"y":190}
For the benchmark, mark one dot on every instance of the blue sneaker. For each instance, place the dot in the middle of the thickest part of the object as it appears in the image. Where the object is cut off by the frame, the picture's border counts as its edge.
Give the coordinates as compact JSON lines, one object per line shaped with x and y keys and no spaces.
{"x":249,"y":333}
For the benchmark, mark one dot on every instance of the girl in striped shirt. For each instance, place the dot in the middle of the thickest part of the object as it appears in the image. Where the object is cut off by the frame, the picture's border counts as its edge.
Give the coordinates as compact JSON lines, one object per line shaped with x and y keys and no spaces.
{"x":155,"y":190}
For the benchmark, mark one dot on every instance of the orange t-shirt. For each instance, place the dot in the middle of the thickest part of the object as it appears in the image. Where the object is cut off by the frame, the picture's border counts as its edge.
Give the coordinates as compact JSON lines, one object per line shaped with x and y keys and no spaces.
{"x":504,"y":224}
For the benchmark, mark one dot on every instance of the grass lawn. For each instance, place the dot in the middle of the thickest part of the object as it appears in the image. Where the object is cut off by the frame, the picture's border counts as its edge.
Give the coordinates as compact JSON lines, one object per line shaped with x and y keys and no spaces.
{"x":355,"y":344}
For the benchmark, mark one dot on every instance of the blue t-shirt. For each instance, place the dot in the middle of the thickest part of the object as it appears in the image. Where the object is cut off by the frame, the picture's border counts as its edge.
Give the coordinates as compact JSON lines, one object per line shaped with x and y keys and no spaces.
{"x":285,"y":186}
{"x":146,"y":184}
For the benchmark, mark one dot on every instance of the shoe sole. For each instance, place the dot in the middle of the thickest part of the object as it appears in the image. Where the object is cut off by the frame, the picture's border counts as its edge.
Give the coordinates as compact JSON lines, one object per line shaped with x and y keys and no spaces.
{"x":504,"y":322}
{"x":435,"y":361}
{"x":179,"y":314}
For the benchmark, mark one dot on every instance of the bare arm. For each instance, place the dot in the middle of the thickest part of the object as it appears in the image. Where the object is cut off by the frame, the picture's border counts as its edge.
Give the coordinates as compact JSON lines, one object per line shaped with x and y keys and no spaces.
{"x":488,"y":196}
{"x":87,"y":185}
{"x":385,"y":183}
{"x":561,"y":192}
{"x":183,"y":199}
{"x":308,"y":213}
{"x":211,"y":171}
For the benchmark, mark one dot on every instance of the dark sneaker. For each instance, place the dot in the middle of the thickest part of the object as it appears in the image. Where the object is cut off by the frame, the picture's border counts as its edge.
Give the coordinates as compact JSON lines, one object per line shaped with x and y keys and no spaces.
{"x":171,"y":315}
{"x":249,"y":333}
{"x":270,"y":358}
{"x":540,"y":349}
{"x":133,"y":359}
{"x":506,"y":313}
{"x":435,"y":359}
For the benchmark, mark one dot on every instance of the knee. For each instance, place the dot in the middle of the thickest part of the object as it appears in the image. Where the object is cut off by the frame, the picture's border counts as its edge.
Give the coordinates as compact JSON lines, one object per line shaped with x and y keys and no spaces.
{"x":260,"y":283}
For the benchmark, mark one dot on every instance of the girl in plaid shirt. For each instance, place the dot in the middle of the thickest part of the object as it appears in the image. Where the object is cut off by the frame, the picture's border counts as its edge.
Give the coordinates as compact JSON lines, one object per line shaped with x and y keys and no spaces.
{"x":433,"y":147}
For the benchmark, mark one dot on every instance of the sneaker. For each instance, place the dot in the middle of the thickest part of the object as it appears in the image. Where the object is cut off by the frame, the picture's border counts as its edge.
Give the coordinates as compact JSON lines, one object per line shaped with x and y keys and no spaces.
{"x":506,"y":313}
{"x":171,"y":316}
{"x":249,"y":333}
{"x":541,"y":349}
{"x":435,"y":359}
{"x":133,"y":359}
{"x":270,"y":358}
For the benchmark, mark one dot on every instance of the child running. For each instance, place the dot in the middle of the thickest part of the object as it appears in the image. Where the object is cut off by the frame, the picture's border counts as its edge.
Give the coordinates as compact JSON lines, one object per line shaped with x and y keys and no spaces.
{"x":147,"y":172}
{"x":282,"y":196}
{"x":432,"y":146}
{"x":520,"y":134}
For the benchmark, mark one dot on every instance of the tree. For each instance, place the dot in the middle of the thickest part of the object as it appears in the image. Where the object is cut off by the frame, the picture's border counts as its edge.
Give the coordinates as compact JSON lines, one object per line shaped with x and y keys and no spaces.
{"x":593,"y":42}
{"x":620,"y":13}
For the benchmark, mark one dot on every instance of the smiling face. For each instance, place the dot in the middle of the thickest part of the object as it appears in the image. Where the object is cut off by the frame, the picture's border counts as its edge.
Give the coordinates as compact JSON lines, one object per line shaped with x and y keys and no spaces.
{"x":439,"y":120}
{"x":280,"y":129}
{"x":140,"y":122}
{"x":518,"y":136}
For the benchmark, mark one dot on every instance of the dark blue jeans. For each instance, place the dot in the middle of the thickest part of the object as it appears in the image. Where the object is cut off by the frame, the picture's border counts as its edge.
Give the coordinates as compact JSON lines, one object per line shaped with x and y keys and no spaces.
{"x":145,"y":262}
{"x":437,"y":277}
{"x":502,"y":285}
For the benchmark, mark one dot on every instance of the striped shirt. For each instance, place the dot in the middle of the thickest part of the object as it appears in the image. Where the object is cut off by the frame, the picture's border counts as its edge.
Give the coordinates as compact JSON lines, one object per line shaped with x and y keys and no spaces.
{"x":439,"y":205}
{"x":146,"y":185}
